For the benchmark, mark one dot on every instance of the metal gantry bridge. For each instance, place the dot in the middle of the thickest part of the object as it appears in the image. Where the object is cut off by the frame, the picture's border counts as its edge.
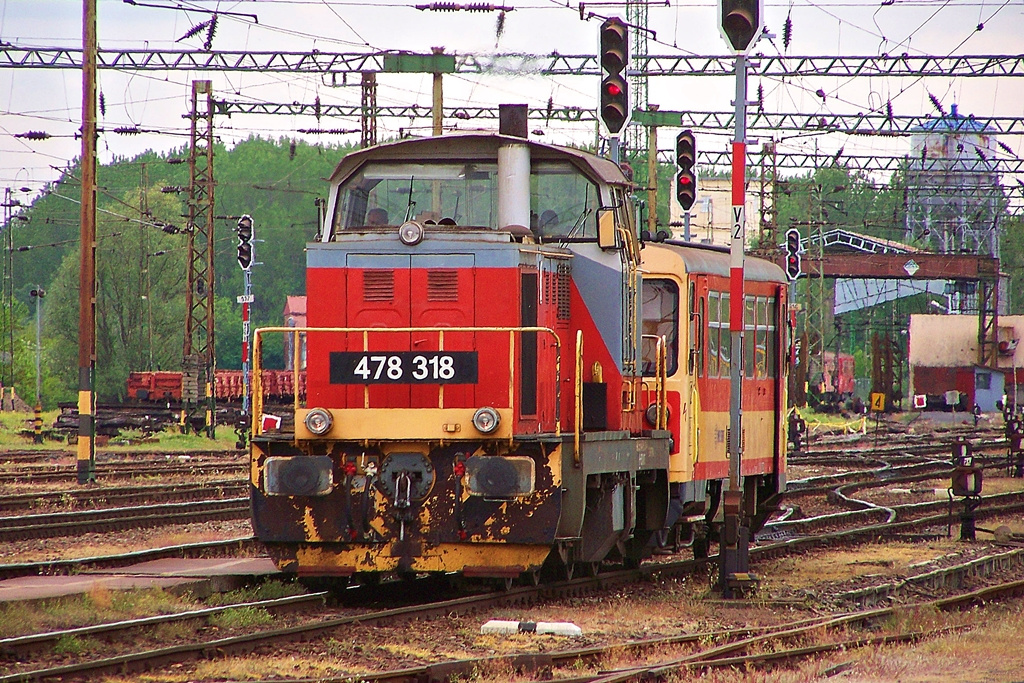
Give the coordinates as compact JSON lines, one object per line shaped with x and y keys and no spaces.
{"x":553,"y":64}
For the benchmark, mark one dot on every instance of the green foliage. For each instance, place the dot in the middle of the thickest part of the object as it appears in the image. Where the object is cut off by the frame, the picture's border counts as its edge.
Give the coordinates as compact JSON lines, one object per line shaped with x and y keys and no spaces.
{"x":276,"y":182}
{"x":72,"y":645}
{"x":139,"y":303}
{"x":1011,"y":262}
{"x":241,"y":617}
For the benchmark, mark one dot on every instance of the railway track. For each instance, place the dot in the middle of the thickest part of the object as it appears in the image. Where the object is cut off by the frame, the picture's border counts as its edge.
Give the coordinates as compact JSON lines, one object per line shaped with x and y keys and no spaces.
{"x":122,"y":495}
{"x":231,"y":546}
{"x":727,"y":649}
{"x":126,"y":518}
{"x":69,"y":473}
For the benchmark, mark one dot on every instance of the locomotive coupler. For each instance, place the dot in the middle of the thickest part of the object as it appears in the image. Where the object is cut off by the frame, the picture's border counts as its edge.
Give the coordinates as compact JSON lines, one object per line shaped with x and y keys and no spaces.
{"x":402,"y":501}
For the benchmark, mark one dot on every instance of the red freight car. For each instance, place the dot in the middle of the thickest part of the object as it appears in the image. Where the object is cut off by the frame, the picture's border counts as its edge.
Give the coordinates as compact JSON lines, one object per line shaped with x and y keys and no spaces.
{"x":162,"y":385}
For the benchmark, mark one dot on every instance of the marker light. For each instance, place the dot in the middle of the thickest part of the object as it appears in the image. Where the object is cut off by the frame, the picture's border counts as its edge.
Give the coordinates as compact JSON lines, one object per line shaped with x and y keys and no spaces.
{"x":486,"y":420}
{"x":319,"y":421}
{"x":410,"y":233}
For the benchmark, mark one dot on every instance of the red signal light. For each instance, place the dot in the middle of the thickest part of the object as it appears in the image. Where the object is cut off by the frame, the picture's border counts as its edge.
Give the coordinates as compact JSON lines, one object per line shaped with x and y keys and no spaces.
{"x":614,"y":90}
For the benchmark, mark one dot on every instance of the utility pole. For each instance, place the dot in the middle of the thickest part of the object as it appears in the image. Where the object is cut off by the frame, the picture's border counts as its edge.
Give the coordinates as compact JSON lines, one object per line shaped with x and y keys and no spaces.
{"x":144,"y":215}
{"x":368,"y":118}
{"x":37,"y":293}
{"x":7,"y":295}
{"x":437,"y":109}
{"x":652,"y":175}
{"x":741,"y":22}
{"x":86,"y":455}
{"x":198,"y":362}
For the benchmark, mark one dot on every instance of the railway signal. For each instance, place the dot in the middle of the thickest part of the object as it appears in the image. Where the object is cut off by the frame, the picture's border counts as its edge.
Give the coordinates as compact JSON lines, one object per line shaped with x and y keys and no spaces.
{"x":614,"y":56}
{"x":741,"y":21}
{"x":793,"y":268}
{"x":245,"y":233}
{"x":686,"y":177}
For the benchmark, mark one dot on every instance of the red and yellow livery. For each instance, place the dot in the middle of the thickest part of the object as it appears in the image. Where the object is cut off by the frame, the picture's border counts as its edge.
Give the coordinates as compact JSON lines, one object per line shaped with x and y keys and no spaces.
{"x":500,"y":375}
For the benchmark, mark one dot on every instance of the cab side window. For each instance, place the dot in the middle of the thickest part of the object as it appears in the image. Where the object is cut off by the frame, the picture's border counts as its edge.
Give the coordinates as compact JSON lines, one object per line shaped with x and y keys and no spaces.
{"x":660,"y":317}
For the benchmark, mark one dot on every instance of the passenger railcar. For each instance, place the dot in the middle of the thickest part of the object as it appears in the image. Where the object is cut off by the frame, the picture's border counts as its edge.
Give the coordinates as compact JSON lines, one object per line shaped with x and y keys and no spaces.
{"x":501,"y":376}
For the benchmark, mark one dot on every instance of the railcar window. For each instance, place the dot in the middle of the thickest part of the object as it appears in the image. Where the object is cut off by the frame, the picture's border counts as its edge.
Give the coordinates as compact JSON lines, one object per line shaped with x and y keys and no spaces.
{"x":714,"y":327}
{"x":725,"y":339}
{"x":702,"y":334}
{"x":761,"y":346}
{"x":660,"y":312}
{"x":771,"y":345}
{"x":749,"y":327}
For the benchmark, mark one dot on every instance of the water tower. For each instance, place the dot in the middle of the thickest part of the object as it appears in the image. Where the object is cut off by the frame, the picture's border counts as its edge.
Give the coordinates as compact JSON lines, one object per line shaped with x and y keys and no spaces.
{"x":954,"y":199}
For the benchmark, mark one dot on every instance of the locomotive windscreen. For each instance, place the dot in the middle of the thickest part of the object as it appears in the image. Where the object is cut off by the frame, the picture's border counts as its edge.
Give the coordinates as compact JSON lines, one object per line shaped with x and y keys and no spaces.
{"x":562,"y":200}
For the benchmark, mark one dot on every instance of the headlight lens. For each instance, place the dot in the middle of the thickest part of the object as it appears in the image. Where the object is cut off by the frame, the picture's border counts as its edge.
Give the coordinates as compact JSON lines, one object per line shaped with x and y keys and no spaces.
{"x":319,"y":421}
{"x":651,"y":414}
{"x":410,"y":233}
{"x":486,"y":420}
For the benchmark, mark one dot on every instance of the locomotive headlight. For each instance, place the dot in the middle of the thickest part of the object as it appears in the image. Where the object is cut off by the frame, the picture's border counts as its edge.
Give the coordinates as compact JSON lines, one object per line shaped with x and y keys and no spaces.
{"x":651,"y":414}
{"x":486,"y":420}
{"x":319,"y":421}
{"x":410,"y":233}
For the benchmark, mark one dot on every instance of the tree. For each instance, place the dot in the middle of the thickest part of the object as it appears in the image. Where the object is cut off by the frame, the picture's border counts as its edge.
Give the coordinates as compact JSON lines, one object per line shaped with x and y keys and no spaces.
{"x":140,"y":277}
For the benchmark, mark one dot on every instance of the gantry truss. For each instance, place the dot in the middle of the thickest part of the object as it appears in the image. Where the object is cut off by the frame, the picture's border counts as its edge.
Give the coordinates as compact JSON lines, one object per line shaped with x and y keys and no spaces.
{"x":872,"y":124}
{"x":553,"y":64}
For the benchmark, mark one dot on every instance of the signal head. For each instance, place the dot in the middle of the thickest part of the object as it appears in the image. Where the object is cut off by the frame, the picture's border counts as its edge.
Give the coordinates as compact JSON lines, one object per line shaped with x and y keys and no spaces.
{"x":793,"y":268}
{"x":741,"y":21}
{"x":614,"y":103}
{"x":614,"y":56}
{"x":614,"y":45}
{"x":244,"y":228}
{"x":686,"y":177}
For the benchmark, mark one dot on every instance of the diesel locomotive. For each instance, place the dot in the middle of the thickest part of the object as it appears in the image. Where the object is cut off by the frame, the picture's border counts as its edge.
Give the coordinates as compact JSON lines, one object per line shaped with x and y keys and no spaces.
{"x":502,"y":376}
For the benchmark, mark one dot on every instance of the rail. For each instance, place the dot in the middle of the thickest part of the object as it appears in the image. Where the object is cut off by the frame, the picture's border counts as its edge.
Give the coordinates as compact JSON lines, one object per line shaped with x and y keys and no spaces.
{"x":257,"y":364}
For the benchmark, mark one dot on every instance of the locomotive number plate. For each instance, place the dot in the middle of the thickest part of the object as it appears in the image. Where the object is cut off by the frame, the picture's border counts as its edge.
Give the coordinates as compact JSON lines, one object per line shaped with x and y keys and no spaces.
{"x":403,"y":367}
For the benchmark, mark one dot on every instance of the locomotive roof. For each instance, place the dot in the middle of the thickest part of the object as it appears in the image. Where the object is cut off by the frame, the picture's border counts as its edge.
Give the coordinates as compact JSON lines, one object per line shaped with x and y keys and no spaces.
{"x":478,"y":147}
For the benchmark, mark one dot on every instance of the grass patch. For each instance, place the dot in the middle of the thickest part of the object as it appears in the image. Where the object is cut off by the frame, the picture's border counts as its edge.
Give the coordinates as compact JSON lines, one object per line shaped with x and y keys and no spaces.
{"x":241,"y":617}
{"x":97,"y":606}
{"x":12,"y":424}
{"x":268,"y":590}
{"x":73,"y":645}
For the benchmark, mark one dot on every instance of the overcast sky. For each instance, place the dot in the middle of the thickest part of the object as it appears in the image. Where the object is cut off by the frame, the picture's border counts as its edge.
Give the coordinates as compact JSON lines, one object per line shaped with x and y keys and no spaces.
{"x":50,"y":100}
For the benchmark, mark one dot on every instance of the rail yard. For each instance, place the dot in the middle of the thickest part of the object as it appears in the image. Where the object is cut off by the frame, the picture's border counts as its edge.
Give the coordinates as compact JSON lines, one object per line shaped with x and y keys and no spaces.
{"x":863,"y":568}
{"x":649,"y":363}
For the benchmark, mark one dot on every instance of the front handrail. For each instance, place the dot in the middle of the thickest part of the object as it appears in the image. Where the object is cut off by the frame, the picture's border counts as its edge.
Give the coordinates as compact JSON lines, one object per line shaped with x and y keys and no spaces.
{"x":577,"y":427}
{"x":660,"y":379}
{"x":257,"y":365}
